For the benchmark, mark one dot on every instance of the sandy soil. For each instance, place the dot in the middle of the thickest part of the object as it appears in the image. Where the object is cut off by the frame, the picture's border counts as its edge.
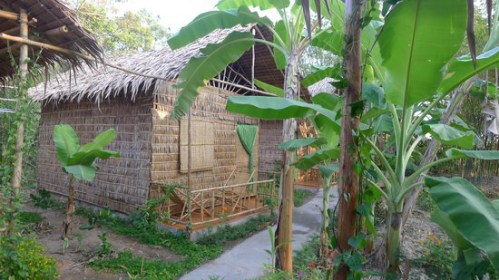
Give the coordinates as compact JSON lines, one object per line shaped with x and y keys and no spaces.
{"x":84,"y":244}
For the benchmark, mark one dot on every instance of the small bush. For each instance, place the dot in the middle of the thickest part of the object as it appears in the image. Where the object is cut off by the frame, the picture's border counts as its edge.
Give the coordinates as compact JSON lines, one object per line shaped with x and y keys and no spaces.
{"x":44,"y":200}
{"x":23,"y":258}
{"x":438,"y":257}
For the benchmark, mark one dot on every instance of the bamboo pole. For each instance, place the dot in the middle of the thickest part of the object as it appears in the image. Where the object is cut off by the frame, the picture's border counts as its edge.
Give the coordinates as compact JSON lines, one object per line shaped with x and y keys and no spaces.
{"x":10,"y":15}
{"x":189,"y":169}
{"x":17,"y":28}
{"x":18,"y":156}
{"x":57,"y":31}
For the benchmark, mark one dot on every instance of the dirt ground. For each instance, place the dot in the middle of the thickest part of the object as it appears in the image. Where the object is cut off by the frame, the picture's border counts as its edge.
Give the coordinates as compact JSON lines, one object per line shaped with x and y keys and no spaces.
{"x":84,"y":244}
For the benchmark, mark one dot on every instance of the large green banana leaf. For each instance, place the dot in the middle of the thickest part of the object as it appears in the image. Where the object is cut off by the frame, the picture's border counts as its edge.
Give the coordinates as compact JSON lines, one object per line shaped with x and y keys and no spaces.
{"x":270,"y":88}
{"x":320,"y":74}
{"x":198,"y":70}
{"x":207,"y":22}
{"x":460,"y":69}
{"x":261,"y":4}
{"x":448,"y":135}
{"x":295,"y":144}
{"x":79,"y":161}
{"x":418,"y":39}
{"x":66,"y":142}
{"x":471,"y":213}
{"x":484,"y":155}
{"x":275,"y":108}
{"x":310,"y":160}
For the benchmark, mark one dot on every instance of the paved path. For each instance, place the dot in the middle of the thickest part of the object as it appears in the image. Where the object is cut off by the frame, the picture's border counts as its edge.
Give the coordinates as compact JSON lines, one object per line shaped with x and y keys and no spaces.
{"x":247,"y":259}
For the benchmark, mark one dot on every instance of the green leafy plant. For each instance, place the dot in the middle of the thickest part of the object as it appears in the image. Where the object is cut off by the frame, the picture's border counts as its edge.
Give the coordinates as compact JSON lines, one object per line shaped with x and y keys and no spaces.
{"x":301,"y":196}
{"x":23,"y":258}
{"x":79,"y":162}
{"x":44,"y":200}
{"x":437,"y":257}
{"x":105,"y":247}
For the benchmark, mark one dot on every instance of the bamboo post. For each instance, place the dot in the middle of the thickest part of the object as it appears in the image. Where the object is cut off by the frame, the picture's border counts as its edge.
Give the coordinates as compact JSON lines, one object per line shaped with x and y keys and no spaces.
{"x":189,"y":166}
{"x":18,"y":157}
{"x":202,"y":206}
{"x":213,"y":204}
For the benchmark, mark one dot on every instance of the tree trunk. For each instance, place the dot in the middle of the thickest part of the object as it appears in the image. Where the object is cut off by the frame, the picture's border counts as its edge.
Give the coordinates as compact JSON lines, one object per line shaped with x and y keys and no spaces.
{"x":349,"y":179}
{"x":284,"y":231}
{"x":18,"y":156}
{"x":70,"y":207}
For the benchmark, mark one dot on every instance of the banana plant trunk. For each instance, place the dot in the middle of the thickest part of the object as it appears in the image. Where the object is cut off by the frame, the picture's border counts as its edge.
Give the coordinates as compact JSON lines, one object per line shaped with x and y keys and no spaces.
{"x":349,"y":178}
{"x":393,"y":234}
{"x":284,"y":231}
{"x":70,"y":207}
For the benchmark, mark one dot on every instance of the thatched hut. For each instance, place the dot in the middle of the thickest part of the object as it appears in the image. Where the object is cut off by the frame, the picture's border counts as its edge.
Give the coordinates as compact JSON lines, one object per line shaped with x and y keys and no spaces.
{"x":213,"y":182}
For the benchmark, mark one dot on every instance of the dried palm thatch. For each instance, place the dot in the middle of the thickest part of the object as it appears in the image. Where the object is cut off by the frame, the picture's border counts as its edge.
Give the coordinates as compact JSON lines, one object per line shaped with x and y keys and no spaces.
{"x":323,"y":85}
{"x":105,"y":82}
{"x":51,"y":22}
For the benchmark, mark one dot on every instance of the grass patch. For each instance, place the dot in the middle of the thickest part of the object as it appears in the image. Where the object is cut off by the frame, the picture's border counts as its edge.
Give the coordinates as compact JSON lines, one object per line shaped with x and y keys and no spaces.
{"x":27,"y":218}
{"x":230,"y":233}
{"x":300,"y":197}
{"x":139,"y":268}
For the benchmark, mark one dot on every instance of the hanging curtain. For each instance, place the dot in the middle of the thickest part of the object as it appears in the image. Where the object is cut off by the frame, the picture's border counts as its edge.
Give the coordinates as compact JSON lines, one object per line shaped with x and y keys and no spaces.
{"x":247,"y":134}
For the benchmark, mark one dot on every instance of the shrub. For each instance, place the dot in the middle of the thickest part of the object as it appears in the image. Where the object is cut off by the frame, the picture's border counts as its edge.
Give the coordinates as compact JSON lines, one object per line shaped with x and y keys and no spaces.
{"x":23,"y":258}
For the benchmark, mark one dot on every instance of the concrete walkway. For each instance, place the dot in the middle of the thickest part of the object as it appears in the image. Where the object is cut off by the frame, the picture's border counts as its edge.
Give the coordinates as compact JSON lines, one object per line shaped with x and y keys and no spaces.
{"x":247,"y":259}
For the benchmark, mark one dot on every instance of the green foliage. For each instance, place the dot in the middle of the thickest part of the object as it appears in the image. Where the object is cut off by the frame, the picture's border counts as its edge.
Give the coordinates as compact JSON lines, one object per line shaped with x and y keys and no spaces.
{"x":44,"y":200}
{"x":30,"y":218}
{"x":23,"y":258}
{"x":460,"y":69}
{"x":437,"y":257}
{"x":80,"y":161}
{"x":463,"y":209}
{"x":300,"y":197}
{"x":416,"y":44}
{"x":214,"y":59}
{"x":207,"y":22}
{"x":138,"y":268}
{"x":132,"y":31}
{"x":231,"y":233}
{"x":448,"y":135}
{"x":105,"y":247}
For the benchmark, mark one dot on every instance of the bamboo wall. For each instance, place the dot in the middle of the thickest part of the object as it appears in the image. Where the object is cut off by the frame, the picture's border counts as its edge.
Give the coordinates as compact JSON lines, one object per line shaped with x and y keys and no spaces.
{"x":121,"y":184}
{"x":228,"y":152}
{"x":270,"y":138}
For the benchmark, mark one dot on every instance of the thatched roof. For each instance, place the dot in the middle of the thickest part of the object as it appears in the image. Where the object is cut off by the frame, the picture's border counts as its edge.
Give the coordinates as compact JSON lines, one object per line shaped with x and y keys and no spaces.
{"x":46,"y":17}
{"x":106,"y":82}
{"x":323,"y":85}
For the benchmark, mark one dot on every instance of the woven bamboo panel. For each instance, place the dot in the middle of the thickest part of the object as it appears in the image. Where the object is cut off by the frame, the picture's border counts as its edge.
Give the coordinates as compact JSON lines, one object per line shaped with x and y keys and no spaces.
{"x":121,"y":184}
{"x":202,"y":144}
{"x":169,"y":136}
{"x":270,"y":136}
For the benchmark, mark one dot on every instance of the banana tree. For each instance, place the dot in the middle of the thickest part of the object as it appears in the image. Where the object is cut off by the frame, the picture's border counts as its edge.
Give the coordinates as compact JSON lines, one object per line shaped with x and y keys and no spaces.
{"x":79,"y":162}
{"x":288,"y":44}
{"x":418,"y":41}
